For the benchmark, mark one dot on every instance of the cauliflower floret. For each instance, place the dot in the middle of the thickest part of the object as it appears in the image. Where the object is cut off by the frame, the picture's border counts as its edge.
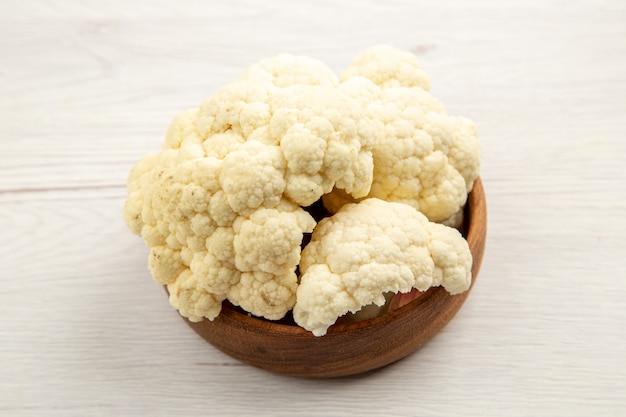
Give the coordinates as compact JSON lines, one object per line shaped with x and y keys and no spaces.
{"x":324,"y":135}
{"x":372,"y":248}
{"x":388,"y":67}
{"x":220,"y":205}
{"x":191,"y":300}
{"x":262,"y":291}
{"x":424,"y":158}
{"x":269,"y":240}
{"x":202,"y":238}
{"x":252,"y":176}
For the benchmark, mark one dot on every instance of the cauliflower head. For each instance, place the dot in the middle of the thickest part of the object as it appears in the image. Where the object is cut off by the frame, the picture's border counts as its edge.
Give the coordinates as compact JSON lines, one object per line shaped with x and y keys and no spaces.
{"x":424,"y":157}
{"x":372,"y":248}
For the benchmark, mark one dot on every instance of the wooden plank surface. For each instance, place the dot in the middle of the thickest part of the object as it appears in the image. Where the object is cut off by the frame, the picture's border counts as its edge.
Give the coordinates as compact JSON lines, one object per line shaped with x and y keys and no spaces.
{"x":87,"y":87}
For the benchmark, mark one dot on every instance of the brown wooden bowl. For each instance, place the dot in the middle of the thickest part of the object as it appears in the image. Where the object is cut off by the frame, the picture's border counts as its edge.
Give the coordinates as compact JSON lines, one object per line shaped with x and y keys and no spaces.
{"x":349,"y":348}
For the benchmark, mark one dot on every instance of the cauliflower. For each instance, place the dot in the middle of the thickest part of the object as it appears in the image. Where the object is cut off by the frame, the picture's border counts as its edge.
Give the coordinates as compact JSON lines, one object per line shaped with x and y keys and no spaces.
{"x":223,"y":206}
{"x":372,"y":248}
{"x":424,"y":158}
{"x":322,"y":135}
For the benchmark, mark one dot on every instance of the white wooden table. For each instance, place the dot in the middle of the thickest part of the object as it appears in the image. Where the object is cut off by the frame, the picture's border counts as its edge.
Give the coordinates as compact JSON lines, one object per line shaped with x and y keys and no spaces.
{"x":87,"y":87}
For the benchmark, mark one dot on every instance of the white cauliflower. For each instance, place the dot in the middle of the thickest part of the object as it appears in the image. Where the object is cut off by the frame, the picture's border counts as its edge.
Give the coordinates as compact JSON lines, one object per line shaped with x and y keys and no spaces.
{"x":220,"y":206}
{"x":372,"y":248}
{"x":388,"y":67}
{"x":424,"y":158}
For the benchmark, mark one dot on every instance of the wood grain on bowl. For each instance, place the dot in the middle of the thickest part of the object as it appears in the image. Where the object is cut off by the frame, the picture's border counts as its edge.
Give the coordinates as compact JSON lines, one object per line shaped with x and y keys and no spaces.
{"x":349,"y":348}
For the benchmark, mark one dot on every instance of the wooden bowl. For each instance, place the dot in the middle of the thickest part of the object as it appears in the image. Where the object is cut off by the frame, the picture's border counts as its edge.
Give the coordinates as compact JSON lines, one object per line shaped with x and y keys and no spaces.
{"x":349,"y":348}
